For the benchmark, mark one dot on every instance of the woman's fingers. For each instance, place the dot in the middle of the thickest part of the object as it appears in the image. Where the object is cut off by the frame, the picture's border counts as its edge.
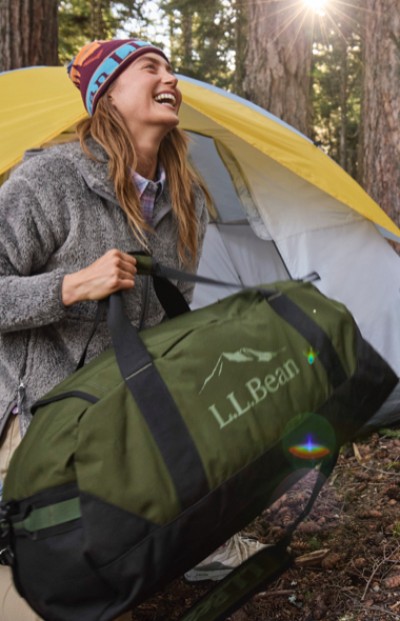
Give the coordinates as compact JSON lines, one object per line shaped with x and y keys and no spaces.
{"x":112,"y":272}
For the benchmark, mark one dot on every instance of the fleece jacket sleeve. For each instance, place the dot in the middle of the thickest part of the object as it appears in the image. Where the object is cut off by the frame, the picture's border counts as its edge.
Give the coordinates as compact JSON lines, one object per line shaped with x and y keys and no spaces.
{"x":30,"y":290}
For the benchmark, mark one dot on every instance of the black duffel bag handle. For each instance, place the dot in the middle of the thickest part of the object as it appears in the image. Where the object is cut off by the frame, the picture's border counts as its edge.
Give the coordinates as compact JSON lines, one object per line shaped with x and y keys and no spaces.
{"x":169,"y":296}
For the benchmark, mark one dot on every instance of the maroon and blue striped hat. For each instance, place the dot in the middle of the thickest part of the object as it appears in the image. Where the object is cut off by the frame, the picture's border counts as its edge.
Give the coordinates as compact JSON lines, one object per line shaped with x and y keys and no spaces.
{"x":97,"y":65}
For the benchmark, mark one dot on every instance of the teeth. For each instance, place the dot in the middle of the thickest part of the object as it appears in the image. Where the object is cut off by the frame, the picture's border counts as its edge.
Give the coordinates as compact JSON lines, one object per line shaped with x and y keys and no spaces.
{"x":165,"y":97}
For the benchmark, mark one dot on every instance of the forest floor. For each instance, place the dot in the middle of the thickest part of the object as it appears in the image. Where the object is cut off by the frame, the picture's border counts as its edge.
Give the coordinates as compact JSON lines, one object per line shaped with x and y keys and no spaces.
{"x":346,"y":552}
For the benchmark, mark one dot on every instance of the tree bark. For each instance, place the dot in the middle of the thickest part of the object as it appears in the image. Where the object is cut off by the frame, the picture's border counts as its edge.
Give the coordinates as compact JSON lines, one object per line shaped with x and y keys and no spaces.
{"x":343,"y":103}
{"x":279,"y":57}
{"x":380,"y":150}
{"x":97,"y":26}
{"x":187,"y":36}
{"x":28,"y":33}
{"x":240,"y":30}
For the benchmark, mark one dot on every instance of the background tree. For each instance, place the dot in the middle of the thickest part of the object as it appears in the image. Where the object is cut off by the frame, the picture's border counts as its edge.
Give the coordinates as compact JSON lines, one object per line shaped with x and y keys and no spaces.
{"x":180,"y":19}
{"x":380,"y":147}
{"x":336,"y":84}
{"x":74,"y":27}
{"x":203,"y":39}
{"x":81,"y":21}
{"x":278,"y":62}
{"x":239,"y":21}
{"x":28,"y":33}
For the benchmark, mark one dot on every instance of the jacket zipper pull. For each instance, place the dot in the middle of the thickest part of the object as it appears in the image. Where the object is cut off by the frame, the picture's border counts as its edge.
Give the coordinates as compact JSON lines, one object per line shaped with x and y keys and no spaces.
{"x":20,"y":396}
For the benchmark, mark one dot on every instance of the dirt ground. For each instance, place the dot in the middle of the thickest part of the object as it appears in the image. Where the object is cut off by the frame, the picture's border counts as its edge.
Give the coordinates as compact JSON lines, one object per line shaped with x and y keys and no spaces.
{"x":346,"y":553}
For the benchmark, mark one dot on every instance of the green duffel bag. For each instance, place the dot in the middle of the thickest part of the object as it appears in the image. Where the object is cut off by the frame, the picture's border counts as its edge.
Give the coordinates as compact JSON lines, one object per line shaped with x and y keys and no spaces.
{"x":145,"y":460}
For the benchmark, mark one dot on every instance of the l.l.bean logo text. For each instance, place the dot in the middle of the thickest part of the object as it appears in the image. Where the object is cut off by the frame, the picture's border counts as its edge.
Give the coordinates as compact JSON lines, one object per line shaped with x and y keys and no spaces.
{"x":251,"y":392}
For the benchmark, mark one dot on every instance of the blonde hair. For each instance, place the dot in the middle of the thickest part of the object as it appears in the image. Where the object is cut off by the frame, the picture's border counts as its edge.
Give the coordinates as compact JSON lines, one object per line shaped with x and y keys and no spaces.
{"x":108,"y":128}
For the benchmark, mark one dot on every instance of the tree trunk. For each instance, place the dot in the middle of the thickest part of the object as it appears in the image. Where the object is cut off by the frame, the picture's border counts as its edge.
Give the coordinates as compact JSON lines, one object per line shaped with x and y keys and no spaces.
{"x":97,"y":26}
{"x":380,"y":150}
{"x":187,"y":30}
{"x":278,"y":63}
{"x":28,"y":33}
{"x":343,"y":103}
{"x":240,"y":29}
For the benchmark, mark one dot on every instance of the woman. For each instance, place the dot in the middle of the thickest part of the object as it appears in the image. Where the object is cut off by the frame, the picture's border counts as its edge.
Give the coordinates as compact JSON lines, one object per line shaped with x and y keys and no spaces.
{"x":71,"y":218}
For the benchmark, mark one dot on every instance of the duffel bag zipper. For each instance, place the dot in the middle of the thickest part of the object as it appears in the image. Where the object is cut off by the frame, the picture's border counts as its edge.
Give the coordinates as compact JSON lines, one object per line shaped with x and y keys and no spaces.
{"x":77,"y":394}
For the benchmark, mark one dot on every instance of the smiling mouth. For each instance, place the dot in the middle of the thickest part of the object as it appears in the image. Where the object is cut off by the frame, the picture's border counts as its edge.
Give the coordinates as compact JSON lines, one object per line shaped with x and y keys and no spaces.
{"x":166,"y":98}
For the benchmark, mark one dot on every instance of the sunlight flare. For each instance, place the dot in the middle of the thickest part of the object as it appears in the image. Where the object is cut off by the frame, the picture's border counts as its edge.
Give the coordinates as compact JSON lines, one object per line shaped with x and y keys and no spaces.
{"x":318,"y":6}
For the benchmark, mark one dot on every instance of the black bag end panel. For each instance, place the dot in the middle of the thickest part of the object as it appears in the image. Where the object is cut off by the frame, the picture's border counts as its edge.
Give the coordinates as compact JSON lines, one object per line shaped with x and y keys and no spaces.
{"x":110,"y":531}
{"x":354,"y":403}
{"x":57,"y":580}
{"x":374,"y":379}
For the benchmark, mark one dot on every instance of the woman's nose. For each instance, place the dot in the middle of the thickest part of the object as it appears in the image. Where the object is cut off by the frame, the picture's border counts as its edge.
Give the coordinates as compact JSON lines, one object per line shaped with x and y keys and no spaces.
{"x":170,"y":78}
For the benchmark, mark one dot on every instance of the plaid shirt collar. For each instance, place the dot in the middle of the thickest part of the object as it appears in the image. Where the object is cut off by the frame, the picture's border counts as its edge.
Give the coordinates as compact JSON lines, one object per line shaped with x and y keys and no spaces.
{"x":142,"y":183}
{"x":149,"y":191}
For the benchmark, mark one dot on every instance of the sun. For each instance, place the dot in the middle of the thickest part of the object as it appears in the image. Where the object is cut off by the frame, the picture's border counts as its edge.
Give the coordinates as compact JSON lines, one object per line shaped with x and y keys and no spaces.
{"x":318,"y":6}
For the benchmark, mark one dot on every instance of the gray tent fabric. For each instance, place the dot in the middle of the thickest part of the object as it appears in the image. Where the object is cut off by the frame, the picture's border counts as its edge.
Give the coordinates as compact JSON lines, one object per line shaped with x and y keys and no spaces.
{"x":233,"y":253}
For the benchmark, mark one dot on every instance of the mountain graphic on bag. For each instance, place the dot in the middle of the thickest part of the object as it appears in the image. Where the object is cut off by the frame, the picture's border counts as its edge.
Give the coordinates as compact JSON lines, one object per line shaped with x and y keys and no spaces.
{"x":142,"y":462}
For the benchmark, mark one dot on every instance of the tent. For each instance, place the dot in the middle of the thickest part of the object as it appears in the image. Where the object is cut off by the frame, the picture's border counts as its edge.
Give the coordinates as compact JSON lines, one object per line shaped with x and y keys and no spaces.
{"x":283,"y":209}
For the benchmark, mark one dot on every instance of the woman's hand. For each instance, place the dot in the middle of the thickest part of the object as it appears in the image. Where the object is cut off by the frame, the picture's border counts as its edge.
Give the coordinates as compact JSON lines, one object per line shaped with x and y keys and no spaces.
{"x":114,"y":271}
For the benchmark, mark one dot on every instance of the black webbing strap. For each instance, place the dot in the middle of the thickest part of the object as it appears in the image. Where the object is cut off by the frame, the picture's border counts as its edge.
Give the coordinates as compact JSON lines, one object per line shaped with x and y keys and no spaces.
{"x":174,"y":274}
{"x":241,"y":584}
{"x":157,"y":406}
{"x":258,"y":571}
{"x":313,"y":333}
{"x":170,"y":297}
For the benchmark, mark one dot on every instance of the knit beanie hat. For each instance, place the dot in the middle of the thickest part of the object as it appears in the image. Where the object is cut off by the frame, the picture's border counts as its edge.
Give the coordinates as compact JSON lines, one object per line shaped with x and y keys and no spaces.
{"x":97,"y":65}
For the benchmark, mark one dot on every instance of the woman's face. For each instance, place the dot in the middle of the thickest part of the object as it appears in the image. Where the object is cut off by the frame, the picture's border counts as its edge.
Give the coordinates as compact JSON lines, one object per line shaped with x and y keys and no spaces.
{"x":146,"y":94}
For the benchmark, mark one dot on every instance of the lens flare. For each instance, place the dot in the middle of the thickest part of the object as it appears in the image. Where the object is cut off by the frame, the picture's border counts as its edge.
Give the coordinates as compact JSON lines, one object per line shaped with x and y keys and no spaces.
{"x":308,"y":439}
{"x":311,"y":355}
{"x":309,"y":450}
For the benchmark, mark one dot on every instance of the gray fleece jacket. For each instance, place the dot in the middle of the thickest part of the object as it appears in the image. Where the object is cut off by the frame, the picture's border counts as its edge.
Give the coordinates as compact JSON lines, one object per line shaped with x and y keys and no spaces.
{"x":58,"y":214}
